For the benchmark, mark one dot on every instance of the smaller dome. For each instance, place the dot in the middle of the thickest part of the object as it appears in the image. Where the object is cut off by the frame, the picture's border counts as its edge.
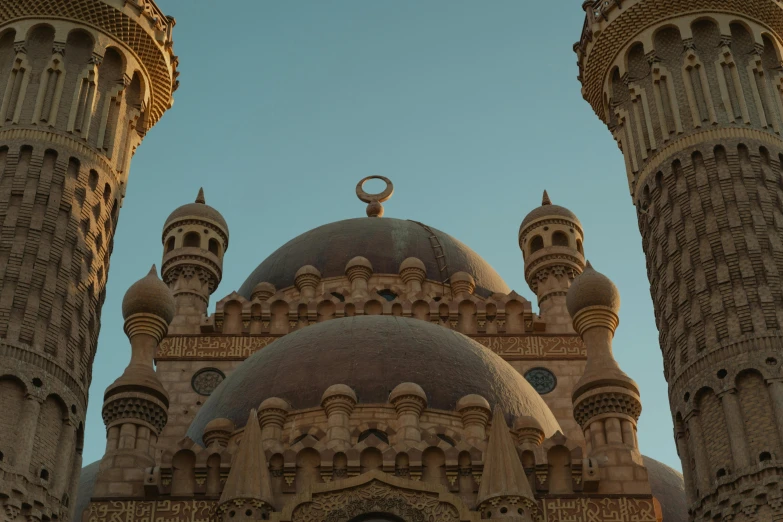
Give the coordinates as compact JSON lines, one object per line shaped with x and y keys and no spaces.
{"x":592,"y":288}
{"x":462,"y":277}
{"x":472,"y":401}
{"x":338,"y":390}
{"x":219,"y":424}
{"x":358,"y":261}
{"x":198,"y":210}
{"x":412,"y":262}
{"x":407,"y":388}
{"x":547,"y":209}
{"x":149,"y":295}
{"x":526,"y":422}
{"x":274,"y":403}
{"x":263,"y":291}
{"x":300,"y":366}
{"x":308,"y":270}
{"x":218,"y":430}
{"x":462,"y":282}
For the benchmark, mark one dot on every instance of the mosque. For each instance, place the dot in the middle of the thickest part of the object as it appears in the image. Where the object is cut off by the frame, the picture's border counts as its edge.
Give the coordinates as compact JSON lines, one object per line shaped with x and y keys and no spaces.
{"x":376,"y":368}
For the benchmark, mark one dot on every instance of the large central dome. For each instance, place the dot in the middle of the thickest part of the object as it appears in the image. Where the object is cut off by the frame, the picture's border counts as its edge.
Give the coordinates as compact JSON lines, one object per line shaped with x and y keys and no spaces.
{"x":386,"y":242}
{"x":372,"y":354}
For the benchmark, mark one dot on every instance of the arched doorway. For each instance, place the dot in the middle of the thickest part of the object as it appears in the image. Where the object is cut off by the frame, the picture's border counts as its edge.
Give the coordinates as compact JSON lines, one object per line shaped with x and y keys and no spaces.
{"x":376,"y":517}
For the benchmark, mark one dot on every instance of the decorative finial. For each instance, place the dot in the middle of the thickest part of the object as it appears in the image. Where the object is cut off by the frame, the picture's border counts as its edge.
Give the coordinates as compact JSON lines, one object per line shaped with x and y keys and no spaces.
{"x":374,"y":207}
{"x":545,"y":200}
{"x":588,"y":265}
{"x":200,"y":197}
{"x":153,"y":271}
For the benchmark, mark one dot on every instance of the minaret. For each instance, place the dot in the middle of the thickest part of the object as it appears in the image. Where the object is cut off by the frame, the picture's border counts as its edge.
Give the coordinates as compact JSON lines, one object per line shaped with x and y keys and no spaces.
{"x":692,"y":96}
{"x":550,"y":238}
{"x":195,"y":239}
{"x":504,"y":493}
{"x":247,"y":495}
{"x":135,"y":406}
{"x":606,"y":401}
{"x":81,"y":82}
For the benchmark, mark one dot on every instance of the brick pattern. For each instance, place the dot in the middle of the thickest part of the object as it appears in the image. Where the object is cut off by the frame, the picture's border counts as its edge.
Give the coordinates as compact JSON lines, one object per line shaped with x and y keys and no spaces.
{"x":12,"y":394}
{"x":716,"y":438}
{"x":711,"y":231}
{"x":54,"y":248}
{"x":47,"y":436}
{"x":759,"y":418}
{"x":60,"y":193}
{"x":709,"y":200}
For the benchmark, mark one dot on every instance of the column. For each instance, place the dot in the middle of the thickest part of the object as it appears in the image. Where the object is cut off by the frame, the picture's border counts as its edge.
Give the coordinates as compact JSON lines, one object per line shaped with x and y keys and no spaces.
{"x":776,"y":394}
{"x":598,"y":436}
{"x":700,"y":452}
{"x":62,"y":472}
{"x":685,"y":457}
{"x":736,"y":428}
{"x":26,"y":434}
{"x":629,"y":434}
{"x":73,"y":482}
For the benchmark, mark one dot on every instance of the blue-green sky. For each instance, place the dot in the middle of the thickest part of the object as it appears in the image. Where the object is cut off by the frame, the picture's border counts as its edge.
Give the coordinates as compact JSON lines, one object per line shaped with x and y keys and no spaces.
{"x":472,"y":108}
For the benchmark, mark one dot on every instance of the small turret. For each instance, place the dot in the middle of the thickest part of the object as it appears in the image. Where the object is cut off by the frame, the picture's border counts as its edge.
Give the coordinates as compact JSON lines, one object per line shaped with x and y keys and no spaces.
{"x":195,"y":239}
{"x":504,"y":493}
{"x":606,"y":401}
{"x":247,"y":495}
{"x":550,"y":238}
{"x":136,"y":404}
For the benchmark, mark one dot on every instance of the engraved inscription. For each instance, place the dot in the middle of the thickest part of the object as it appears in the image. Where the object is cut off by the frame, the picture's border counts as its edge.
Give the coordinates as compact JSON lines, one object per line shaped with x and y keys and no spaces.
{"x":593,"y":509}
{"x":240,"y":347}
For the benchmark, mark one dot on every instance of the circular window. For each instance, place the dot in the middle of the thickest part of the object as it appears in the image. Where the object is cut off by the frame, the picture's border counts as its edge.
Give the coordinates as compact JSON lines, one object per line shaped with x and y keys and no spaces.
{"x":206,"y":380}
{"x":542,"y":380}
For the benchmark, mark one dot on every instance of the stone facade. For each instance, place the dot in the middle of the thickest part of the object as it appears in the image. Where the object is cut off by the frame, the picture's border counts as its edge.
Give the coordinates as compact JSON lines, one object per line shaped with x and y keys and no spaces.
{"x":80,"y":84}
{"x":240,"y":441}
{"x":373,"y":367}
{"x":691,"y":91}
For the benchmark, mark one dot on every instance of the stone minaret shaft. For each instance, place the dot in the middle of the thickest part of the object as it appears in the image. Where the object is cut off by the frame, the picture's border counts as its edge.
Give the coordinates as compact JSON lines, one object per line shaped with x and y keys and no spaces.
{"x":691,"y":91}
{"x":80,"y":84}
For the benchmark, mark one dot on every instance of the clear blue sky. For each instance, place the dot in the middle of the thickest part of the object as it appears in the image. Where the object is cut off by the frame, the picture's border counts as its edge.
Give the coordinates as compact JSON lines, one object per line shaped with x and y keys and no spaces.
{"x":471,"y":108}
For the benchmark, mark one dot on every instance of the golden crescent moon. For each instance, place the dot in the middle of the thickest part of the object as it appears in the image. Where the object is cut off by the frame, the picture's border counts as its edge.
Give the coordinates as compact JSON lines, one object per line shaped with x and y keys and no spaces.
{"x":381,"y":196}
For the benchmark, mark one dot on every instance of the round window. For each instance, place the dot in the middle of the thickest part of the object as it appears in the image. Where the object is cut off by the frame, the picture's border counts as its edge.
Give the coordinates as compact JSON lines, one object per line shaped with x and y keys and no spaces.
{"x":542,"y":380}
{"x":206,"y":380}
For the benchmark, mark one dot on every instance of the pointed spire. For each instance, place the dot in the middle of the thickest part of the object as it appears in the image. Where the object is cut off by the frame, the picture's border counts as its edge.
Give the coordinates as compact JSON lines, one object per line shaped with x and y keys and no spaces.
{"x":153,"y":271}
{"x":200,"y":197}
{"x":545,"y":199}
{"x":503,"y":474}
{"x":588,"y":265}
{"x":249,"y":476}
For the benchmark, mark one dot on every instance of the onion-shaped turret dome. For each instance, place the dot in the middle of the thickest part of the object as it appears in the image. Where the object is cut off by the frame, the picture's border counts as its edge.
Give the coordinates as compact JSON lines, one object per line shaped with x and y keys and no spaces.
{"x":592,"y":288}
{"x":149,"y":295}
{"x":548,"y":210}
{"x":197,"y":210}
